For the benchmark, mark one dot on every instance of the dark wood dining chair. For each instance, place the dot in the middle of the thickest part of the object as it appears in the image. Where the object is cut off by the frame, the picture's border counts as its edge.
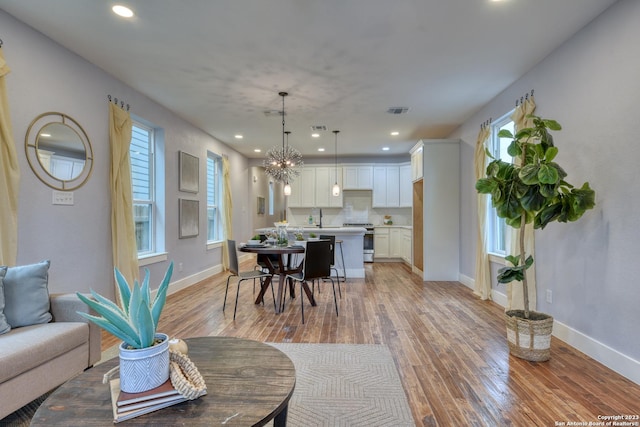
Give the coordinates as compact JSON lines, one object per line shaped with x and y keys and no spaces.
{"x":332,"y":239}
{"x":242,"y":276}
{"x":316,"y":265}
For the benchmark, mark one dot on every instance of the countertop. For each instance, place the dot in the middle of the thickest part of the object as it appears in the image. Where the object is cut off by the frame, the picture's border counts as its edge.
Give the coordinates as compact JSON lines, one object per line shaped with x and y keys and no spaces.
{"x":406,"y":227}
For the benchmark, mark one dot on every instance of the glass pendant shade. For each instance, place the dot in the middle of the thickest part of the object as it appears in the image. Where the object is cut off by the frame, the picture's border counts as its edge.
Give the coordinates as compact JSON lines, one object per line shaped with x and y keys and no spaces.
{"x":336,"y":188}
{"x":287,"y":189}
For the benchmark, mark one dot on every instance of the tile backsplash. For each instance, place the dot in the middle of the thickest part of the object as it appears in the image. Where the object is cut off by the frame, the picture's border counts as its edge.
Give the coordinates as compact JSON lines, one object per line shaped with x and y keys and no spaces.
{"x":356,"y":208}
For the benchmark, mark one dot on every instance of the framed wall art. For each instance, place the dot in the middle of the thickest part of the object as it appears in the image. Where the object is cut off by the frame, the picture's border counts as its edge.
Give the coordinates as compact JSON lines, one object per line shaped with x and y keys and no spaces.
{"x":189,"y":173}
{"x":261,"y":205}
{"x":189,"y":218}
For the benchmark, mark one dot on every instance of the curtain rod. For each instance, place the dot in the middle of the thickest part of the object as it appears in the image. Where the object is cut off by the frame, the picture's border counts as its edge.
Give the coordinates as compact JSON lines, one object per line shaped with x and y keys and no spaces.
{"x":524,"y":98}
{"x":115,"y":101}
{"x":486,"y":123}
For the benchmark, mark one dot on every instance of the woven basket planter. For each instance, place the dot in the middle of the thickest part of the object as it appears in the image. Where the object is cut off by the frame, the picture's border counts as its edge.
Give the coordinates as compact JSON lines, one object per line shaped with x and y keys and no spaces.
{"x":529,"y":339}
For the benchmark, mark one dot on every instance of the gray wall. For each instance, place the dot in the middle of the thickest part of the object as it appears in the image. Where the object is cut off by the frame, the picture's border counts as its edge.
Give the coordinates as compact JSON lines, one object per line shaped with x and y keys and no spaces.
{"x":591,"y":85}
{"x":77,"y":239}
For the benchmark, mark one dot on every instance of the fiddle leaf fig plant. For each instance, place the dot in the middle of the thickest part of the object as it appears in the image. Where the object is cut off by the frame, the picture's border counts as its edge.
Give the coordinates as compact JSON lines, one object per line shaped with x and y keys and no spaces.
{"x":531,"y":190}
{"x":136,"y":321}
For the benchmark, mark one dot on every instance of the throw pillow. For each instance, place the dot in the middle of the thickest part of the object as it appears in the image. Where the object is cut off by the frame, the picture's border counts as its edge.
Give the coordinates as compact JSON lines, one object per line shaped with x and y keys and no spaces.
{"x":4,"y":326}
{"x":26,"y":295}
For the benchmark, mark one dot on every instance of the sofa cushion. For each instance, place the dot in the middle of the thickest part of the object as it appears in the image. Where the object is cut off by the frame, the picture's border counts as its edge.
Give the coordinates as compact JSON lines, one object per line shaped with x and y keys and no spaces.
{"x":26,"y":296}
{"x":25,"y":348}
{"x":4,"y":326}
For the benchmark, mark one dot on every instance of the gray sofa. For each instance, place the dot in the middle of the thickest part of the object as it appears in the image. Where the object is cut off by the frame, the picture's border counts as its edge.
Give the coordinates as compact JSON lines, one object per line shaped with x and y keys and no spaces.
{"x":35,"y":359}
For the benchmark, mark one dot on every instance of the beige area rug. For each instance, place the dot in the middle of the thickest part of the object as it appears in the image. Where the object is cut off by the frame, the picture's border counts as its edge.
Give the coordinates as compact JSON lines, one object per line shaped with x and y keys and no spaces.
{"x":345,"y":385}
{"x":337,"y":385}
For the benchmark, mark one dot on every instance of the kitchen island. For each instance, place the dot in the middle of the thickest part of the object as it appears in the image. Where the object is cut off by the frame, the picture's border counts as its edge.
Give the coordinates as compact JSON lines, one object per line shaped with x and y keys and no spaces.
{"x":352,"y":245}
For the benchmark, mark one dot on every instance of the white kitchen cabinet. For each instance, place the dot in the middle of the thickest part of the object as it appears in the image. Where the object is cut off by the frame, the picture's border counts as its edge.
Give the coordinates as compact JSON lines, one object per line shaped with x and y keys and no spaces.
{"x":392,"y":243}
{"x":417,"y":165}
{"x":324,"y":181}
{"x":406,"y":245}
{"x":386,"y":186}
{"x":406,"y":186}
{"x":302,"y":193}
{"x":358,"y":177}
{"x":392,"y":187}
{"x":381,"y":242}
{"x":313,"y":188}
{"x":395,"y":243}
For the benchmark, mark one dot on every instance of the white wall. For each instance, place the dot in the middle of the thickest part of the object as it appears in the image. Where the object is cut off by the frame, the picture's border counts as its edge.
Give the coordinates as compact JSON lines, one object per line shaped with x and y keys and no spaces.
{"x":591,"y":85}
{"x":77,"y":239}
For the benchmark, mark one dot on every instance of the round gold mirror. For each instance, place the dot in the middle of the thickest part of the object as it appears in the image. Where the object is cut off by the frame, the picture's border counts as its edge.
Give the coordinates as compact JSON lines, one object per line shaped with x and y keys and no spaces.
{"x":59,"y":152}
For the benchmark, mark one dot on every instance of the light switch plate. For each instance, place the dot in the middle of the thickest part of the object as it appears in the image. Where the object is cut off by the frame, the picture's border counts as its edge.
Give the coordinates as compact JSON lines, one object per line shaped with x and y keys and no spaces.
{"x":62,"y":197}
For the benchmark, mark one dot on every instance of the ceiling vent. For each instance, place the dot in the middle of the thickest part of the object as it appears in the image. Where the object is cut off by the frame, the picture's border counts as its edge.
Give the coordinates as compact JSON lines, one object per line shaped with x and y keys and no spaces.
{"x":318,"y":128}
{"x":397,"y":110}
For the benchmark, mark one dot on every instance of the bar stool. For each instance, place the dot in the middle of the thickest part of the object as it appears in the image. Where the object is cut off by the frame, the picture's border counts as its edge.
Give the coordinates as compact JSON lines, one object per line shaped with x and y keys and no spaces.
{"x":344,"y":268}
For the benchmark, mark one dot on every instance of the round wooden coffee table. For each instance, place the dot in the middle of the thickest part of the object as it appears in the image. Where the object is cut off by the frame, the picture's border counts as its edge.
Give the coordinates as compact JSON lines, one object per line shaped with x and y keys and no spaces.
{"x":248,"y":382}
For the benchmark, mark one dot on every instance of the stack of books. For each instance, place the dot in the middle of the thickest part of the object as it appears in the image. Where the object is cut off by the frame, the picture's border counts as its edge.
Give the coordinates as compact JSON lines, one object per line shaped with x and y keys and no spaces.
{"x":131,"y":405}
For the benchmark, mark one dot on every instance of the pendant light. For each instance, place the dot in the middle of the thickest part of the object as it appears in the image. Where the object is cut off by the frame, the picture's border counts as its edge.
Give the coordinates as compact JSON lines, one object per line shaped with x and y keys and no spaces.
{"x":282,"y":163}
{"x":336,"y":187}
{"x":287,"y":186}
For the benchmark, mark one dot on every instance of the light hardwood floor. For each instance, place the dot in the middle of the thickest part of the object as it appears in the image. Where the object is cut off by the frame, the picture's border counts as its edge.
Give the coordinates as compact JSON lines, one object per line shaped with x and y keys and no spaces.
{"x":449,"y":347}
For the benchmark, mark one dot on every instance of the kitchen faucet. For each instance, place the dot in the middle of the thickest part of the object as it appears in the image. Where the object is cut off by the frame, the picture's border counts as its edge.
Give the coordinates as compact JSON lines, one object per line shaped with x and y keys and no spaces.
{"x":320,"y":217}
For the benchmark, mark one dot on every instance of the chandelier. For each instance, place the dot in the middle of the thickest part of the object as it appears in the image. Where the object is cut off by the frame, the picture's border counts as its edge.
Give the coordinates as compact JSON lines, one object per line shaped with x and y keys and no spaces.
{"x":282,"y":163}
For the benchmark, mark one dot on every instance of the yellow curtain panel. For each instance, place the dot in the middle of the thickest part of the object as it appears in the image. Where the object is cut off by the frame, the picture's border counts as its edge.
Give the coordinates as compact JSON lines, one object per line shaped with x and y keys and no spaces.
{"x":482,"y":281}
{"x":228,"y":211}
{"x":123,"y":233}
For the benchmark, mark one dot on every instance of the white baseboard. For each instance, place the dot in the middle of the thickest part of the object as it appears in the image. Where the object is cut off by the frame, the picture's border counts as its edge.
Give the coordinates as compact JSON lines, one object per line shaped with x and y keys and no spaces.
{"x":609,"y":357}
{"x":185,"y":282}
{"x":467,"y":281}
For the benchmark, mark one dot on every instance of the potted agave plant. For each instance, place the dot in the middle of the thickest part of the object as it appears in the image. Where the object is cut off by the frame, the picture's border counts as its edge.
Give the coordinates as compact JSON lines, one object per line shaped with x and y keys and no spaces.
{"x":533,"y":190}
{"x":144,"y":353}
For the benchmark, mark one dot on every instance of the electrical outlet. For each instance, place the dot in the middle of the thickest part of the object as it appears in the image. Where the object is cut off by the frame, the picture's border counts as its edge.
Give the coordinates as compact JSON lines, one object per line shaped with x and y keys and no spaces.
{"x":549,"y":296}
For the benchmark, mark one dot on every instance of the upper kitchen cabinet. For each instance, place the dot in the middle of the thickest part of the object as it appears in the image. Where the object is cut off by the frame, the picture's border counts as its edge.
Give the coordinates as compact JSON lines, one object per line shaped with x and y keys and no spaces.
{"x":392,"y":186}
{"x":300,"y":196}
{"x":417,"y":165}
{"x":313,"y":188}
{"x":358,"y":177}
{"x":325,"y":178}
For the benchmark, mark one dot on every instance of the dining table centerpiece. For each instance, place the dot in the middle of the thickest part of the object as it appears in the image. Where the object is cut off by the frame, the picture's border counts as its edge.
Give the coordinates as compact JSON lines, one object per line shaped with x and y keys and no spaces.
{"x":144,"y":353}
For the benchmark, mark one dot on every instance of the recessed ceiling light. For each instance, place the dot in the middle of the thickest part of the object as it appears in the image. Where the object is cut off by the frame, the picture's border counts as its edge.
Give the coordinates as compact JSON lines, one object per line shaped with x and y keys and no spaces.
{"x":395,"y":133}
{"x":238,"y":136}
{"x":385,"y":148}
{"x":315,"y":135}
{"x":123,"y":11}
{"x":320,"y":149}
{"x":257,"y":150}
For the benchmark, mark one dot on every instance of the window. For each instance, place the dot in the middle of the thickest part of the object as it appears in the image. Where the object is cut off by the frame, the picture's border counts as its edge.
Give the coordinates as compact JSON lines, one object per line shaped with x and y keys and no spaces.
{"x":214,"y":197}
{"x":271,"y":197}
{"x":146,"y":151}
{"x":141,"y":151}
{"x":498,"y":239}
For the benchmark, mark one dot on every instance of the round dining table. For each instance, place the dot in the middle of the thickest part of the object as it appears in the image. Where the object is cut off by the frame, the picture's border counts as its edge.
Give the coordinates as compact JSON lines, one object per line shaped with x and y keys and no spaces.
{"x":286,"y":265}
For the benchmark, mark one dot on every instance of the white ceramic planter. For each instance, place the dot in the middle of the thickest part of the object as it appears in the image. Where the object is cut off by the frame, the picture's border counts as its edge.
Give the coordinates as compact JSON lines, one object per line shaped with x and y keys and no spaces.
{"x":145,"y":368}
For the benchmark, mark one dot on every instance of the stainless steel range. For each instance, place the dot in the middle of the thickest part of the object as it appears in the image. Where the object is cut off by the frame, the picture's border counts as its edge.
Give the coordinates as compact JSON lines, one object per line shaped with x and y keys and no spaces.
{"x":368,"y":238}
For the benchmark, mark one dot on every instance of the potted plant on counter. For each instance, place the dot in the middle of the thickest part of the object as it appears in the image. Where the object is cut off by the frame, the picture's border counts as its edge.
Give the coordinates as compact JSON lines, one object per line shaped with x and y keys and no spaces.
{"x":144,"y":353}
{"x":534,"y":190}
